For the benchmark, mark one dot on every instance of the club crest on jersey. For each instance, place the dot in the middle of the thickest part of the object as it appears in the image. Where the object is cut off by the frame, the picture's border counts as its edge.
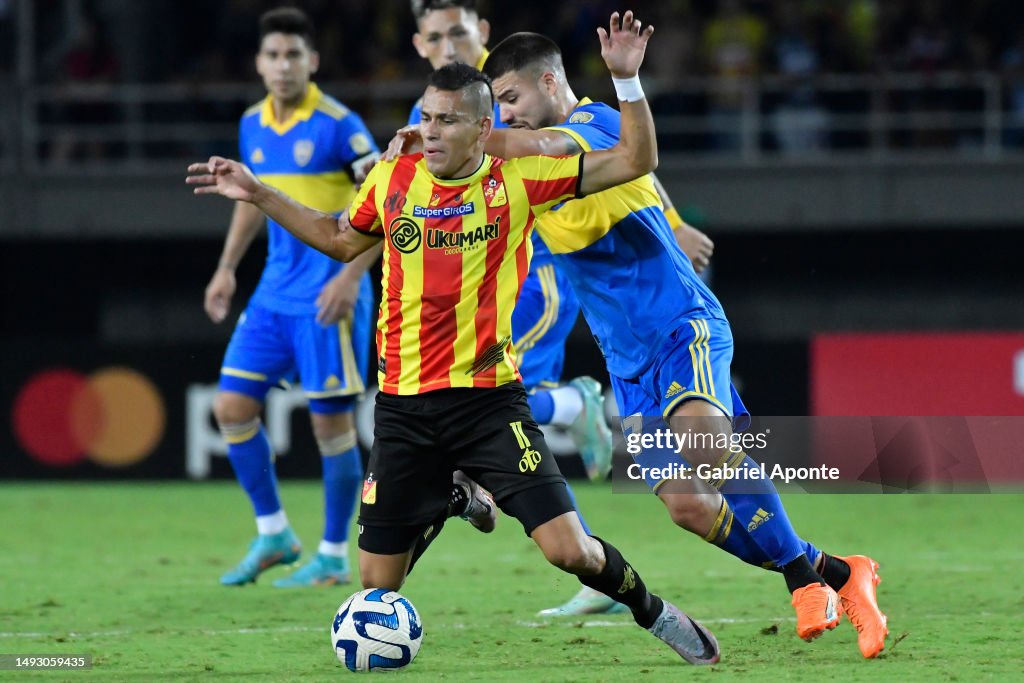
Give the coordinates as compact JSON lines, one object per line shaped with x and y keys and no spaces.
{"x":494,"y":193}
{"x":435,"y":199}
{"x":369,"y":490}
{"x":581,"y":117}
{"x":257,"y":156}
{"x":359,"y":143}
{"x":302,"y":151}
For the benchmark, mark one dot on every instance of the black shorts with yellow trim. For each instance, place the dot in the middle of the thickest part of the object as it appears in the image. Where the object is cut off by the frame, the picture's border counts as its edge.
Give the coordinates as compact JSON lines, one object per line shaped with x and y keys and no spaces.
{"x":489,"y":434}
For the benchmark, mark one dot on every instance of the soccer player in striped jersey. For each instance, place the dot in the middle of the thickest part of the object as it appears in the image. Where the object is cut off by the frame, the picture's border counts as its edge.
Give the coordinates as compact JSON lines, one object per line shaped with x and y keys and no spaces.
{"x":309,"y":316}
{"x":452,"y":31}
{"x":668,"y":356}
{"x":450,"y":392}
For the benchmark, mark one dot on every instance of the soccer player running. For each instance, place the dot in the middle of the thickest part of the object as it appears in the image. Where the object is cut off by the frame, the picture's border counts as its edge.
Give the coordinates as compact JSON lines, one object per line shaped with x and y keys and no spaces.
{"x":449,"y":32}
{"x":668,"y":356}
{"x":450,"y":396}
{"x":308,"y":316}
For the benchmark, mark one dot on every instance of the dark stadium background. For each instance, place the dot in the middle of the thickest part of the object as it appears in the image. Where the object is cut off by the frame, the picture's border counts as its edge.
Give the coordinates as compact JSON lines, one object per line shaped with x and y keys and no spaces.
{"x":897,"y":207}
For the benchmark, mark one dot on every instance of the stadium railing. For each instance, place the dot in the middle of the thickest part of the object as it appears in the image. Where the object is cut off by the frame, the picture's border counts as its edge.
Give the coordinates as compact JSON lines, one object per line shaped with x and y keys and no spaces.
{"x":876,"y":118}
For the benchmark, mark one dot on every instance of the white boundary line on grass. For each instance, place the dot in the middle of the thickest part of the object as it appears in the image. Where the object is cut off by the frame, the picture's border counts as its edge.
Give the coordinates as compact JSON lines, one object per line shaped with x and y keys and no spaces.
{"x":565,"y":622}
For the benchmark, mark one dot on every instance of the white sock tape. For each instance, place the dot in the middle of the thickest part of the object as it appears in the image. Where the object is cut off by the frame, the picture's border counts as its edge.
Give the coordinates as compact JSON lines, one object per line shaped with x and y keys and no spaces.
{"x":628,"y":89}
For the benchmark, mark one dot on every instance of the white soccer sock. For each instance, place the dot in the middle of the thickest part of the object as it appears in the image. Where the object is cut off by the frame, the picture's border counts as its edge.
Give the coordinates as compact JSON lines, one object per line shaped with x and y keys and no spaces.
{"x":568,"y":405}
{"x":268,"y":525}
{"x":333,"y":549}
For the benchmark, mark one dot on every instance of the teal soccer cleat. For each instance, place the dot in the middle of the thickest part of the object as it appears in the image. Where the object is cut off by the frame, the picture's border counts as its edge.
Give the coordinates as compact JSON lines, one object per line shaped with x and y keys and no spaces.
{"x":322,"y":570}
{"x":590,"y":431}
{"x":264,"y":552}
{"x":587,"y":601}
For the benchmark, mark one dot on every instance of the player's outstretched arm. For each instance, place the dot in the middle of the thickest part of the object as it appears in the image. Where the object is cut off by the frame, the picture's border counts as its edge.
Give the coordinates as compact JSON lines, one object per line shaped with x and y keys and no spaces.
{"x":319,"y":230}
{"x":510,"y":143}
{"x":622,"y":48}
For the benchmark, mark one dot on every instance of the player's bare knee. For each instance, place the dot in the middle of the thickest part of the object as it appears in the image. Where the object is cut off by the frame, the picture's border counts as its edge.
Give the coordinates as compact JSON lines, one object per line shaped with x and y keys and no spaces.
{"x":704,"y":432}
{"x":329,"y":426}
{"x":688,"y":513}
{"x":576,"y":556}
{"x":234,"y":409}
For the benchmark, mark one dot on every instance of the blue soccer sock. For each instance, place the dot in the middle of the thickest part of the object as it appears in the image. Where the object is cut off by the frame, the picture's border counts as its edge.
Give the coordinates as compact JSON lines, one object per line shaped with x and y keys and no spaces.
{"x":542,"y":406}
{"x":734,"y":539}
{"x":253,"y":461}
{"x":572,"y":497}
{"x":757,"y":507}
{"x":342,"y":473}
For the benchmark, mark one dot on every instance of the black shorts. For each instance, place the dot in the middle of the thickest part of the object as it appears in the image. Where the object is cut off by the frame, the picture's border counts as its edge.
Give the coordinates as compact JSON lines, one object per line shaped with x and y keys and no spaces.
{"x":489,"y":434}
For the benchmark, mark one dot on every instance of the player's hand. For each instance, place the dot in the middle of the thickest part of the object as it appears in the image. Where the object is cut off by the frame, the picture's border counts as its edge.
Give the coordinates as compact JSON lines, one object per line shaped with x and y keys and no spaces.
{"x":696,"y":245}
{"x":406,"y":141}
{"x":623,"y":44}
{"x":344,"y":224}
{"x":217,"y":301}
{"x":225,"y":177}
{"x":363,"y":168}
{"x":337,"y":298}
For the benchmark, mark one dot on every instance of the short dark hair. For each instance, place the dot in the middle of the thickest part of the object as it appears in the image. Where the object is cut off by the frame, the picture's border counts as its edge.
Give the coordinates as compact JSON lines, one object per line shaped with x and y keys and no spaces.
{"x":457,"y":76}
{"x":288,"y":20}
{"x":522,"y":50}
{"x":421,"y":7}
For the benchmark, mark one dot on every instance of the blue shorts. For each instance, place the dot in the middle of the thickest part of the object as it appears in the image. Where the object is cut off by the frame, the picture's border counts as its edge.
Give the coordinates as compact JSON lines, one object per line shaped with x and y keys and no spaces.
{"x":269,"y":349}
{"x":693,"y":365}
{"x":543,"y":317}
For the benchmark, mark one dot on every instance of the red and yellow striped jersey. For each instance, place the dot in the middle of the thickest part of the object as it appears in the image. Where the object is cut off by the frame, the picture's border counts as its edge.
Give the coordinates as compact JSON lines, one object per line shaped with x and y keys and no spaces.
{"x":455,"y":256}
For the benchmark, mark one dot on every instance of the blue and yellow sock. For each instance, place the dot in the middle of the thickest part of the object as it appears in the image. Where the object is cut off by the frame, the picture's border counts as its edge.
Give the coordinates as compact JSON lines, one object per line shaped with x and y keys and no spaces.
{"x":253,"y":461}
{"x":342,"y":474}
{"x":757,"y":506}
{"x":737,"y":541}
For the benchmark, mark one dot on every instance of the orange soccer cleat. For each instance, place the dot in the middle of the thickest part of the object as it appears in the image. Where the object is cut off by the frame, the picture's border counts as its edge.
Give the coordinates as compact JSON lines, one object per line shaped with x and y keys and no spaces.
{"x":817,"y":610}
{"x":861,"y":606}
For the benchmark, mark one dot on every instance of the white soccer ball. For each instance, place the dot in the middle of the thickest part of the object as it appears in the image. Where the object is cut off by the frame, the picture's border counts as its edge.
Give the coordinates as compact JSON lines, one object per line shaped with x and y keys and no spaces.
{"x":376,"y":630}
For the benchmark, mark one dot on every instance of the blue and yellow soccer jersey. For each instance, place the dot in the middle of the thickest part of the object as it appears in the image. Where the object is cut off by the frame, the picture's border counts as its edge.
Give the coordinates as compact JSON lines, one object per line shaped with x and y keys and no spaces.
{"x":310,"y":157}
{"x":634,"y":283}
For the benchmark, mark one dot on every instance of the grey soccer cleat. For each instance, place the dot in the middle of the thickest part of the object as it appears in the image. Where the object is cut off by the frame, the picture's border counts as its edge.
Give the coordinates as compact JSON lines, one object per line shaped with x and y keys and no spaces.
{"x":687,"y":637}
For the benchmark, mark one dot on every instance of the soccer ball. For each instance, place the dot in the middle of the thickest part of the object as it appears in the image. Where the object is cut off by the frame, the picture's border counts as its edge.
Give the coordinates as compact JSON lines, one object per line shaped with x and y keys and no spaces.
{"x":376,"y":630}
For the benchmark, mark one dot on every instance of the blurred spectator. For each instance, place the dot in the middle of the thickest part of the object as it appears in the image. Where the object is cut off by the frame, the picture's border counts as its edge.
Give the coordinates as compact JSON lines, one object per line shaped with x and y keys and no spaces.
{"x":799,"y":122}
{"x":732,"y":43}
{"x":858,"y":30}
{"x":87,"y":59}
{"x":909,"y":48}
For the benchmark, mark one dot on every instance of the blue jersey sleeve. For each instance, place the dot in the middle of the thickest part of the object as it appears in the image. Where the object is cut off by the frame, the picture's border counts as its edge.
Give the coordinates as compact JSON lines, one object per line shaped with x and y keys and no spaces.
{"x":593,"y":125}
{"x":355,"y":144}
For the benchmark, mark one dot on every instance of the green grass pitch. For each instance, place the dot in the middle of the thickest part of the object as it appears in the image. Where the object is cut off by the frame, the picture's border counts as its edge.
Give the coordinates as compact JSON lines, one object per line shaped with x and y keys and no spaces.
{"x":128,"y":574}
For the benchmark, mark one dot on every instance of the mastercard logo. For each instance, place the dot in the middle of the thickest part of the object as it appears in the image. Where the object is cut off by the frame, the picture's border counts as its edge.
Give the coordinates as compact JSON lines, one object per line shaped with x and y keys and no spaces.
{"x":114,"y":417}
